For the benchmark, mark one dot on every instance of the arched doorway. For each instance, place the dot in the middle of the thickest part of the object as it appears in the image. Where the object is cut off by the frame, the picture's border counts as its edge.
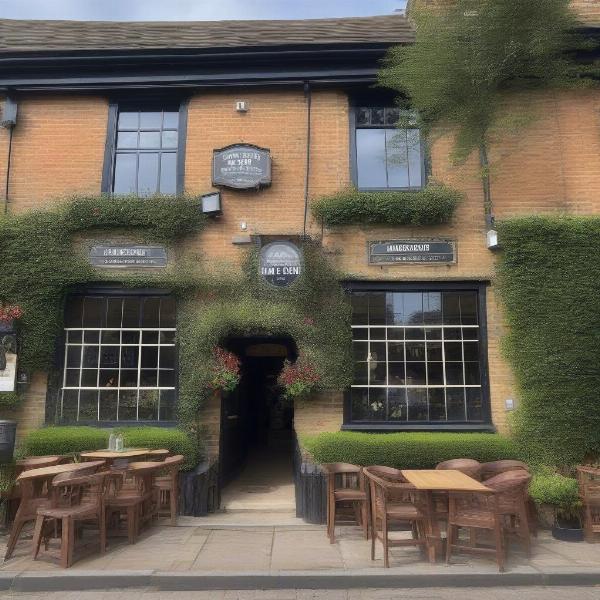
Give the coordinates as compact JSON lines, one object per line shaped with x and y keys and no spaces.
{"x":257,"y":433}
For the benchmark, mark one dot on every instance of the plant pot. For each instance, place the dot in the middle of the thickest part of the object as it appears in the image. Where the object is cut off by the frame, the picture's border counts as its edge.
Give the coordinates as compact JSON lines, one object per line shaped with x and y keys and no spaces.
{"x":567,"y":530}
{"x":8,"y":430}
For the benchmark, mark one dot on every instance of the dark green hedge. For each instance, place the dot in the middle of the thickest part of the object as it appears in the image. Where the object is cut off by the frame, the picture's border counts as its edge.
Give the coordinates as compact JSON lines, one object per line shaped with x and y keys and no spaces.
{"x":72,"y":440}
{"x":555,"y":490}
{"x":550,"y":284}
{"x":411,"y":450}
{"x":432,"y":205}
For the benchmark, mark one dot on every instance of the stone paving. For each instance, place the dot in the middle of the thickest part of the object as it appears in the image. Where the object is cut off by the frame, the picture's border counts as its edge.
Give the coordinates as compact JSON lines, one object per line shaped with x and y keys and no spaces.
{"x":198,"y":547}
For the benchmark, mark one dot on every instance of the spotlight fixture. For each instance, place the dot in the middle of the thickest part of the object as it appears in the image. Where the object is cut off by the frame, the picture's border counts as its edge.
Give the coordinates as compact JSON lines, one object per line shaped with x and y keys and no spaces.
{"x":211,"y":204}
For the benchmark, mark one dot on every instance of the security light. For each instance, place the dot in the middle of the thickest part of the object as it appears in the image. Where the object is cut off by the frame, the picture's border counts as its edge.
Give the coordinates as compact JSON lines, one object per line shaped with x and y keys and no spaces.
{"x":211,"y":204}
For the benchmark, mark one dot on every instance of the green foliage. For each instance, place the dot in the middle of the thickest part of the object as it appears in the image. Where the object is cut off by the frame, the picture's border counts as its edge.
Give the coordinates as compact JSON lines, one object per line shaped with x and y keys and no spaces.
{"x":9,"y":400}
{"x":549,"y":277}
{"x":556,"y":490}
{"x":76,"y":439}
{"x":411,"y":450}
{"x":7,"y":477}
{"x":65,"y":440}
{"x":313,"y":311}
{"x":37,"y":247}
{"x":471,"y":53}
{"x":432,"y":205}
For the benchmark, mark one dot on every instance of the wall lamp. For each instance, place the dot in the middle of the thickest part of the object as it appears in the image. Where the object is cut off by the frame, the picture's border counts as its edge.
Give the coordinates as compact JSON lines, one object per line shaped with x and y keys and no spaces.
{"x":211,"y":204}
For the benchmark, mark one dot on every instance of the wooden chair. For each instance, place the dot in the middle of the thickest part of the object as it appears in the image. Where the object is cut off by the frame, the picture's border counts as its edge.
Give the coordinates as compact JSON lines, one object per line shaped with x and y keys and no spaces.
{"x":167,"y":486}
{"x":491,"y":469}
{"x":159,"y":454}
{"x":468,"y":466}
{"x":512,"y":495}
{"x":588,"y":479}
{"x":475,"y":510}
{"x":131,"y":497}
{"x":74,"y":498}
{"x":394,"y":501}
{"x":346,"y":485}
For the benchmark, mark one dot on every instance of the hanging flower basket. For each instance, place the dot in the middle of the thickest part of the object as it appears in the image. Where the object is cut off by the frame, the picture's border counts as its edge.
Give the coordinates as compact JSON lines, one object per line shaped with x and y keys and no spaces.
{"x":225,"y":370}
{"x":9,"y":313}
{"x":298,"y":379}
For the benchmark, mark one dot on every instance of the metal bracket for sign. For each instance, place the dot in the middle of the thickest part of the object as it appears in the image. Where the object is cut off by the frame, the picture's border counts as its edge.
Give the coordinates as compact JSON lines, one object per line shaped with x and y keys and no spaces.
{"x":242,"y":180}
{"x":413,"y":251}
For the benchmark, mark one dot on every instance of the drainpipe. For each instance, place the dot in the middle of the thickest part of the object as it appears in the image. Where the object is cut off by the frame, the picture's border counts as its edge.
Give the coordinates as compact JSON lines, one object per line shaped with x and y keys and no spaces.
{"x":307,"y":95}
{"x":9,"y":120}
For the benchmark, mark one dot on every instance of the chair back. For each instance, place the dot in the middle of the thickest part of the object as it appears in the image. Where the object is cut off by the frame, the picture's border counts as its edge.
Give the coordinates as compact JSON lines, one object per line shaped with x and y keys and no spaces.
{"x":387,"y":485}
{"x":511,"y":489}
{"x":468,"y":466}
{"x":74,"y":489}
{"x":491,"y":469}
{"x":344,"y":476}
{"x":386,"y":473}
{"x":588,"y":479}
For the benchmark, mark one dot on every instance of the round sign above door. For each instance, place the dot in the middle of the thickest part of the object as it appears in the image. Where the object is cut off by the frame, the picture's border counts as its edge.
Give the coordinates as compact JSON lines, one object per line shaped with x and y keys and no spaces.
{"x":280,"y":263}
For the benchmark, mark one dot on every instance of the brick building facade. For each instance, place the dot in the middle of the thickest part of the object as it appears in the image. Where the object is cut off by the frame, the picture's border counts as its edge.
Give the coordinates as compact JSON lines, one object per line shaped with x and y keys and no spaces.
{"x":69,"y":116}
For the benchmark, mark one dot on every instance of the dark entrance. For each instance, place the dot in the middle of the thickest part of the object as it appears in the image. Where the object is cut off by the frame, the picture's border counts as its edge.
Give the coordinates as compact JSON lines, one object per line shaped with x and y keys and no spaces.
{"x":256,"y":421}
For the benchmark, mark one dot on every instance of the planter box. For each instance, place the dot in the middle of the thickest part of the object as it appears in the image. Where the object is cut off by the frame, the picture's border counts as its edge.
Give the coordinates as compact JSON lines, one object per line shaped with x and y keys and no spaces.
{"x":311,"y":490}
{"x":199,"y":492}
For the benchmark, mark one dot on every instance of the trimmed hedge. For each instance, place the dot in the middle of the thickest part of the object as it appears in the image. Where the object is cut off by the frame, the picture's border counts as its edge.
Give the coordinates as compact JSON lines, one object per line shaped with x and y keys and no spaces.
{"x":9,"y":400}
{"x":412,"y":450}
{"x":556,"y":490}
{"x":432,"y":205}
{"x":73,"y":440}
{"x":550,"y":285}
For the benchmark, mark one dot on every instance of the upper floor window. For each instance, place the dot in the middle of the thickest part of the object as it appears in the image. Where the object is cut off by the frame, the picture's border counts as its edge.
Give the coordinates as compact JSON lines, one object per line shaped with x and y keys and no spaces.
{"x":387,"y":156}
{"x":146,"y":145}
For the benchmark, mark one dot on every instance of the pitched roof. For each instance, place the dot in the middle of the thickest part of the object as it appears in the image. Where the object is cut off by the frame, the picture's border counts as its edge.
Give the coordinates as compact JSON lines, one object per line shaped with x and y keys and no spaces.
{"x":17,"y":36}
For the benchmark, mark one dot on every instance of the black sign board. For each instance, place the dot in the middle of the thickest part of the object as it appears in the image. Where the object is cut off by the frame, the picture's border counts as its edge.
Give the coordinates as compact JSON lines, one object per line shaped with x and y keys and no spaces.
{"x":280,"y":263}
{"x":128,"y":256}
{"x":412,"y":251}
{"x":242,"y":166}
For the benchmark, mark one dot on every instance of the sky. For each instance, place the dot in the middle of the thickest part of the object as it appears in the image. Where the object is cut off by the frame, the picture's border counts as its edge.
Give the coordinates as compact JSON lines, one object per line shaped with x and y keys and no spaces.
{"x":193,"y":10}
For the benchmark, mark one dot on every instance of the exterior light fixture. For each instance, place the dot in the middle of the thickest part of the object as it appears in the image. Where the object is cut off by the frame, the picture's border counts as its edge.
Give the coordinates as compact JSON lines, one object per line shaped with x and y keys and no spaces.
{"x":243,"y":226}
{"x":211,"y":204}
{"x":492,"y":239}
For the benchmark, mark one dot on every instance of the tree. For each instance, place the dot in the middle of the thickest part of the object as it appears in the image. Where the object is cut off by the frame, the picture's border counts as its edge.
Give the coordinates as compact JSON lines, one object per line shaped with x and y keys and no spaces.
{"x":469,"y":54}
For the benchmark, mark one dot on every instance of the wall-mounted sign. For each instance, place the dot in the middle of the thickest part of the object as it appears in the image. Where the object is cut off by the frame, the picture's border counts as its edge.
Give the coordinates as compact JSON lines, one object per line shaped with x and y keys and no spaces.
{"x":280,"y":263}
{"x":412,"y":251}
{"x":242,"y":166}
{"x":128,"y":256}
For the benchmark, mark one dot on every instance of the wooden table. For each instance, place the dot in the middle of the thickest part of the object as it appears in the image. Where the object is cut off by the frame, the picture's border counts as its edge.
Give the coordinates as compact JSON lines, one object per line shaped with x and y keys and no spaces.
{"x":34,"y":495}
{"x":35,"y":462}
{"x":440,"y":481}
{"x":109,"y":455}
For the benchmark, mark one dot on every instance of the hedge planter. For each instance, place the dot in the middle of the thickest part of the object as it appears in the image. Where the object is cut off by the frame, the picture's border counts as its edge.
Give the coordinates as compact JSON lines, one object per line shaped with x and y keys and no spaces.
{"x":567,"y":530}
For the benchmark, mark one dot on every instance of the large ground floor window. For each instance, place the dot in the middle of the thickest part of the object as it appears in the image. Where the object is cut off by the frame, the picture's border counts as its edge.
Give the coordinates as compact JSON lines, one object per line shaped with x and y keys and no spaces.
{"x":419,"y":356}
{"x":119,"y":359}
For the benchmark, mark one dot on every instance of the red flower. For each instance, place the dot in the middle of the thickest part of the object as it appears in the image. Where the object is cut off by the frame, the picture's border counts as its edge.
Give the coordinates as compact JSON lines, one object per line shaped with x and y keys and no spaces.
{"x":298,"y":378}
{"x":10,"y":312}
{"x":225,"y":370}
{"x":308,"y":321}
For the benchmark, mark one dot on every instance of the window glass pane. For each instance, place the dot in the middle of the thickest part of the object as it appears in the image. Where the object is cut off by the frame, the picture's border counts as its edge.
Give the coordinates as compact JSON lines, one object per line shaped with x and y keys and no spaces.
{"x":468,"y":308}
{"x":149,"y":139}
{"x":377,"y":312}
{"x":415,"y":351}
{"x":397,"y":405}
{"x":454,"y":374}
{"x":396,"y":351}
{"x":471,"y":350}
{"x":434,"y":351}
{"x":435,"y":373}
{"x":128,"y":405}
{"x":360,"y":308}
{"x":413,"y":308}
{"x":377,"y":373}
{"x":128,"y":120}
{"x":150,"y":120}
{"x":129,"y":357}
{"x":150,"y":337}
{"x":361,"y":373}
{"x":150,"y":312}
{"x":474,"y":406}
{"x":377,"y":116}
{"x":113,"y":312}
{"x":377,"y":404}
{"x":129,"y":378}
{"x":131,"y":312}
{"x":169,"y":139}
{"x":453,"y":350}
{"x":432,"y":308}
{"x":109,"y":357}
{"x":455,"y":404}
{"x":94,"y":312}
{"x":413,"y":141}
{"x":168,"y":173}
{"x":166,"y":337}
{"x":88,"y":405}
{"x":75,"y":337}
{"x":415,"y":373}
{"x":147,"y":174}
{"x":360,"y":350}
{"x":109,"y":378}
{"x":72,"y":378}
{"x":472,"y":373}
{"x":171,"y":120}
{"x":377,"y":333}
{"x":74,"y":312}
{"x":149,"y":357}
{"x":89,"y":378}
{"x":148,"y":405}
{"x":377,"y":351}
{"x":370,"y":158}
{"x":70,"y":401}
{"x":127,"y":139}
{"x":166,"y":378}
{"x":417,"y":404}
{"x":108,"y":405}
{"x":395,"y":333}
{"x":125,"y":173}
{"x":396,"y":373}
{"x":167,"y":405}
{"x":111,"y":337}
{"x":167,"y":312}
{"x":359,"y":400}
{"x":451,"y":301}
{"x":415,"y":333}
{"x":397,"y":158}
{"x":360,"y":333}
{"x":130,"y":337}
{"x":437,"y":404}
{"x":90,"y":356}
{"x":363,"y":116}
{"x":148,"y":378}
{"x":73,"y":356}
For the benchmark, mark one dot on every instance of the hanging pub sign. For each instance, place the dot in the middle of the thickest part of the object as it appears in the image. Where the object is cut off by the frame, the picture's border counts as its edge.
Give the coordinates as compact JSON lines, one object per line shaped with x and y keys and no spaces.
{"x":242,"y":166}
{"x":280,"y":263}
{"x":412,"y":251}
{"x":119,"y":257}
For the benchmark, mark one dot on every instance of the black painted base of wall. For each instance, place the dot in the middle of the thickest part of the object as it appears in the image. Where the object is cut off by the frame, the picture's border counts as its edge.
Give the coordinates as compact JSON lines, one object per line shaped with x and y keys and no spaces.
{"x":311,"y":490}
{"x":199,"y":492}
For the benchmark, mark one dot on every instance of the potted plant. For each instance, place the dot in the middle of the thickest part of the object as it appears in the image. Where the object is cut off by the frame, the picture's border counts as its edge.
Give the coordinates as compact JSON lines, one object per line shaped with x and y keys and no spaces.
{"x":9,"y":313}
{"x":225,"y":370}
{"x":299,"y":378}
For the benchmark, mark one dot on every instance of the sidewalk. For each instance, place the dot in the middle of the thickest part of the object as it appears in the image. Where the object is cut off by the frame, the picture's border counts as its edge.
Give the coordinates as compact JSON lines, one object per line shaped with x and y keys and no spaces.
{"x":212,"y":552}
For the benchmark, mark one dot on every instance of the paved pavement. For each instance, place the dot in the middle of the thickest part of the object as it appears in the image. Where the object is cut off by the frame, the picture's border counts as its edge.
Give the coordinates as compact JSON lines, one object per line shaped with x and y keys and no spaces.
{"x":528,"y":593}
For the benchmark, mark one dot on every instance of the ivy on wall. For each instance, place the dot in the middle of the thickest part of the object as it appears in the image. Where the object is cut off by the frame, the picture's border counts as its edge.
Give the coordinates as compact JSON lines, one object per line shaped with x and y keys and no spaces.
{"x":549,"y":275}
{"x":433,"y":205}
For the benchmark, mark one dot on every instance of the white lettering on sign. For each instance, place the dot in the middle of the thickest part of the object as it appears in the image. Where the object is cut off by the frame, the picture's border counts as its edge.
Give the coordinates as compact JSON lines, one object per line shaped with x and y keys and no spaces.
{"x":408,"y":248}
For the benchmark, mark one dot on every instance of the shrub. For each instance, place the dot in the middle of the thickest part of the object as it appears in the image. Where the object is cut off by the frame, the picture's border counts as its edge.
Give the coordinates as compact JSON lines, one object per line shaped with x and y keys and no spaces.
{"x":73,"y":440}
{"x":413,"y":450}
{"x":9,"y":400}
{"x":432,"y":205}
{"x":556,"y":490}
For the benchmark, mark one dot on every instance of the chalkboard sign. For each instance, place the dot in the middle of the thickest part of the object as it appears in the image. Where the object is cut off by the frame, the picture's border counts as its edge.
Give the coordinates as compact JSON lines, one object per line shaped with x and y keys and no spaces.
{"x":412,"y":251}
{"x":128,"y":256}
{"x":242,"y":166}
{"x":280,"y":263}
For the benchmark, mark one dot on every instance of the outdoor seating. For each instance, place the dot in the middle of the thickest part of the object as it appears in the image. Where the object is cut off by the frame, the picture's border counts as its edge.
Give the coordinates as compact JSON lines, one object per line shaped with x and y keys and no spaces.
{"x":346,"y":485}
{"x":394,"y":501}
{"x":74,"y":498}
{"x":588,"y":479}
{"x":167,"y":487}
{"x":491,"y":469}
{"x":468,"y":466}
{"x":512,"y":497}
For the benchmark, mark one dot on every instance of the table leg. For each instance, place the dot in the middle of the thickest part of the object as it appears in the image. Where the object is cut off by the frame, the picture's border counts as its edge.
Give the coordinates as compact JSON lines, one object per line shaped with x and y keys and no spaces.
{"x":434,"y":539}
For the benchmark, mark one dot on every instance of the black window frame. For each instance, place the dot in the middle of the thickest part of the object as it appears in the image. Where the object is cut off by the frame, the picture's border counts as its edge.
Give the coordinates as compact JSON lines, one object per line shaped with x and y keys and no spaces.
{"x":147,"y":104}
{"x":425,"y":163}
{"x":485,"y":424}
{"x":102,"y":291}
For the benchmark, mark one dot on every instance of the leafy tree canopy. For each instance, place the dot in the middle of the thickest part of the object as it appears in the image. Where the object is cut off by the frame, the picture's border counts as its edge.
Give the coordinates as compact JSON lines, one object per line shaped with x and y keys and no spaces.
{"x":468,"y":54}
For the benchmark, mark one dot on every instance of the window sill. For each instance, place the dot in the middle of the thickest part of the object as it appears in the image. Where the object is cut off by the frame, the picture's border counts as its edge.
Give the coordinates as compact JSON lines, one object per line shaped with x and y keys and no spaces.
{"x":103,"y":424}
{"x":409,"y":189}
{"x":482,"y":427}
